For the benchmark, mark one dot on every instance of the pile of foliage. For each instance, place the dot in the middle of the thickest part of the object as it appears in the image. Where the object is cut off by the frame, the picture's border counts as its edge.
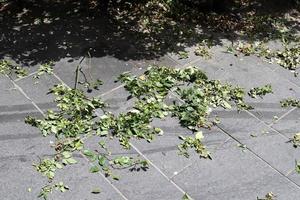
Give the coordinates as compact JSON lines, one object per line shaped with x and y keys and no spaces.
{"x":9,"y":69}
{"x":288,"y":56}
{"x":77,"y":119}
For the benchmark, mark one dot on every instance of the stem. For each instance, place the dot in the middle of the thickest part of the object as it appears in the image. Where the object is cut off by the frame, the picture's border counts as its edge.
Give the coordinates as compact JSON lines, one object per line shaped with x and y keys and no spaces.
{"x":77,"y":72}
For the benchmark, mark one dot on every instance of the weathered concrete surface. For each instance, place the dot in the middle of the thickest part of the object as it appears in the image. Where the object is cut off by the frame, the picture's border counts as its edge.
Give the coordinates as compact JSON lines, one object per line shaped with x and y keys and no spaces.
{"x":266,"y":164}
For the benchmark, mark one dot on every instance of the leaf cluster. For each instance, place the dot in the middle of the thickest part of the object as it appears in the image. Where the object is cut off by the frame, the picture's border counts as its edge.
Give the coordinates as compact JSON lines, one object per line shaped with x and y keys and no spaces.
{"x":76,"y":120}
{"x":44,"y":69}
{"x":290,"y":102}
{"x":260,"y":91}
{"x":296,"y":140}
{"x":7,"y":68}
{"x":268,"y":196}
{"x":46,"y":190}
{"x":289,"y":58}
{"x":196,"y":93}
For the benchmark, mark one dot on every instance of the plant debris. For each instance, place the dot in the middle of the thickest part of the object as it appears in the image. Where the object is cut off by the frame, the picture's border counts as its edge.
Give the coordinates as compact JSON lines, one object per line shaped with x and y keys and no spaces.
{"x":290,"y":102}
{"x":260,"y":91}
{"x":183,"y":54}
{"x":185,"y":197}
{"x":287,"y":57}
{"x":7,"y":68}
{"x":296,"y":140}
{"x":297,"y":166}
{"x":268,"y":196}
{"x":44,"y":69}
{"x":203,"y":49}
{"x":75,"y":120}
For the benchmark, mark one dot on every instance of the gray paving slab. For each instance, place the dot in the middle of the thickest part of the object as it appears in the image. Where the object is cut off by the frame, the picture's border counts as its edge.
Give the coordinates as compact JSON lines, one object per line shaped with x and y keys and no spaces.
{"x":17,"y":113}
{"x":17,"y":176}
{"x":234,"y":174}
{"x":294,"y":176}
{"x":263,"y":141}
{"x":106,"y":69}
{"x":163,"y":61}
{"x":17,"y":130}
{"x":37,"y":90}
{"x":146,"y":185}
{"x":10,"y":96}
{"x":289,"y":125}
{"x":239,"y":124}
{"x":215,"y":53}
{"x":163,"y":150}
{"x":82,"y":185}
{"x":250,"y":73}
{"x":118,"y":100}
{"x":35,"y":147}
{"x":137,"y":184}
{"x":185,"y":61}
{"x":210,"y":68}
{"x":289,"y":75}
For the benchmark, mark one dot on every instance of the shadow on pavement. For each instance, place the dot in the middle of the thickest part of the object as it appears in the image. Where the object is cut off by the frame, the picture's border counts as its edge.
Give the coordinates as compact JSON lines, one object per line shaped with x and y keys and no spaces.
{"x":42,"y":31}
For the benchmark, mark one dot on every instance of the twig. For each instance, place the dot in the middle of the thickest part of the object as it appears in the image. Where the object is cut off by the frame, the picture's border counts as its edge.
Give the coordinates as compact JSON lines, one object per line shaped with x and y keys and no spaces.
{"x":77,"y":71}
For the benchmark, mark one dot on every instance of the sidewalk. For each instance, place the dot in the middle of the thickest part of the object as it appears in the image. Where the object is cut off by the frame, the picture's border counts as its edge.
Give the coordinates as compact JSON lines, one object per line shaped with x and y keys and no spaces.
{"x":266,"y":164}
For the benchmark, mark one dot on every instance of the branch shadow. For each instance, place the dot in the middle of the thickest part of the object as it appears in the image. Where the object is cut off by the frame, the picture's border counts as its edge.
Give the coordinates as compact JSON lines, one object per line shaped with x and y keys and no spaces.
{"x":42,"y":31}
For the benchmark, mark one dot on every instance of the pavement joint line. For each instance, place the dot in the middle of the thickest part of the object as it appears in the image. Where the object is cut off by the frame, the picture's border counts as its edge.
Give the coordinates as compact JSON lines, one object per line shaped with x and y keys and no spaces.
{"x":225,"y":132}
{"x":110,"y":91}
{"x":191,"y":62}
{"x":185,"y":65}
{"x":174,"y":60}
{"x":282,"y":135}
{"x":60,"y":80}
{"x":215,"y":149}
{"x":139,"y":152}
{"x":29,"y":75}
{"x":260,"y":158}
{"x":155,"y":167}
{"x":182,"y":170}
{"x":27,"y":97}
{"x":221,"y":144}
{"x":106,"y":179}
{"x":35,"y":105}
{"x":290,"y":172}
{"x":283,"y":116}
{"x":268,"y":125}
{"x":159,"y":170}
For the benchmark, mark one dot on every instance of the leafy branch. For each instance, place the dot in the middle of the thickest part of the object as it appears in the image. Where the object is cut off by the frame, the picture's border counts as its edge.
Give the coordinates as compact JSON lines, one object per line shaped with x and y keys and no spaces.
{"x":76,"y":120}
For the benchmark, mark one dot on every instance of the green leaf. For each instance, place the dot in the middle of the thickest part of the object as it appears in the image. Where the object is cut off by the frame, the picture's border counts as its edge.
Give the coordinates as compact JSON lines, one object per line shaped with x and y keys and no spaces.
{"x":58,"y":166}
{"x":227,"y":105}
{"x":185,"y":197}
{"x":199,"y":135}
{"x":94,"y":169}
{"x":66,"y":154}
{"x":96,"y":191}
{"x":91,"y":155}
{"x":101,"y":160}
{"x":102,"y":144}
{"x":116,"y":177}
{"x":297,"y":166}
{"x":71,"y":161}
